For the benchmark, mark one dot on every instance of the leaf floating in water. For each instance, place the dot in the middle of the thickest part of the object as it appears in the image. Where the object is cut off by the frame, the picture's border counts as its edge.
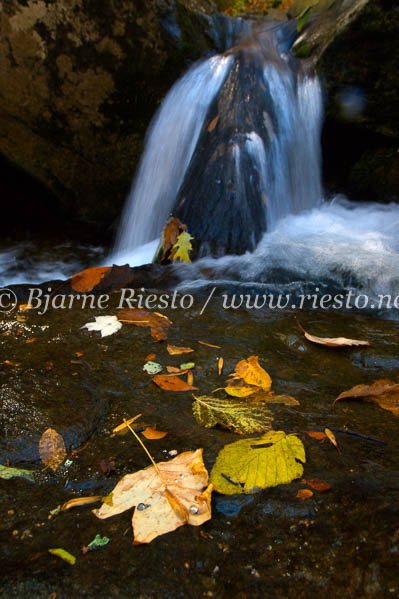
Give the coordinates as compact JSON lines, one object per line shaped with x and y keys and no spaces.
{"x":243,"y":417}
{"x":89,"y":278}
{"x":252,"y":373}
{"x":187,"y":366}
{"x":7,"y":473}
{"x":152,"y":367}
{"x":169,"y":382}
{"x":121,"y":427}
{"x":65,"y":555}
{"x":384,"y":392}
{"x":98,"y":542}
{"x":182,"y":247}
{"x":330,"y":435}
{"x":220,"y":366}
{"x":317,"y":485}
{"x":108,"y":325}
{"x":52,"y":449}
{"x":153,"y":433}
{"x":159,"y":334}
{"x":166,"y":497}
{"x":144,"y":318}
{"x":210,"y":345}
{"x":79,"y":502}
{"x":269,"y":397}
{"x":304,"y":494}
{"x":173,"y":350}
{"x":332,"y":341}
{"x":250,"y":465}
{"x":319,"y":435}
{"x":239,"y":389}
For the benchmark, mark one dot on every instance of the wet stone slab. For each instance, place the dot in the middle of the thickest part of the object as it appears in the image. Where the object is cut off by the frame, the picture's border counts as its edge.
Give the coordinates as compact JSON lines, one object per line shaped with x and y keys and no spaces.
{"x":341,"y":543}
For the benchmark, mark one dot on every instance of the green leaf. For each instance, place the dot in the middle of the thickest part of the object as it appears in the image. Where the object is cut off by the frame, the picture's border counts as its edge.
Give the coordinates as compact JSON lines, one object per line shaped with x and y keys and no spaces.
{"x":98,"y":541}
{"x":183,"y":247}
{"x":303,"y":17}
{"x":152,"y":367}
{"x":250,"y":465}
{"x":65,"y":555}
{"x":7,"y":473}
{"x":242,"y":416}
{"x":187,"y":366}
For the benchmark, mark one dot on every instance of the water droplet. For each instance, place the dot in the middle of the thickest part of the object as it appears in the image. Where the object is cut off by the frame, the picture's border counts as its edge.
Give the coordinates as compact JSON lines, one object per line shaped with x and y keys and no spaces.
{"x":194,"y":509}
{"x":142,"y":506}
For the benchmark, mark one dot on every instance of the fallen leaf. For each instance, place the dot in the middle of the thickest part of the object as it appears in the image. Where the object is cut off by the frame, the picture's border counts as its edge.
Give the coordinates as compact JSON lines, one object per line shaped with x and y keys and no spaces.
{"x":187,"y":366}
{"x":220,"y":366}
{"x":125,"y":424}
{"x":384,"y":392}
{"x":304,"y":494}
{"x":172,"y":383}
{"x":31,"y":340}
{"x":174,"y":494}
{"x":65,"y":555}
{"x":239,"y":389}
{"x":153,"y":433}
{"x":79,"y":501}
{"x":52,"y":449}
{"x":210,"y":345}
{"x":213,"y":123}
{"x":173,"y":370}
{"x":144,"y":318}
{"x":173,"y":350}
{"x":150,"y":357}
{"x":249,"y":465}
{"x":252,"y":373}
{"x":159,"y":334}
{"x":317,"y":435}
{"x":170,"y":233}
{"x":190,"y":377}
{"x":243,"y":417}
{"x":21,"y":318}
{"x":332,"y":341}
{"x":108,"y":325}
{"x":152,"y":367}
{"x":330,"y":435}
{"x":317,"y":485}
{"x":6,"y":472}
{"x":98,"y":542}
{"x":182,"y":247}
{"x":9,"y":363}
{"x":87,"y":279}
{"x":107,"y":467}
{"x":270,"y":397}
{"x":79,"y":354}
{"x":49,"y":365}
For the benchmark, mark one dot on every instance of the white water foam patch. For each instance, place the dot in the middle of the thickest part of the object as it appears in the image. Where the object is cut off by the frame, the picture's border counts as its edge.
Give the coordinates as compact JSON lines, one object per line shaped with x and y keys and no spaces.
{"x":169,"y":146}
{"x":341,"y":243}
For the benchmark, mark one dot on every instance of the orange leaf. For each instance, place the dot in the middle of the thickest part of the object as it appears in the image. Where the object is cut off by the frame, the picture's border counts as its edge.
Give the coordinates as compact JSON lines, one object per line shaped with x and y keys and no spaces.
{"x":316,"y":484}
{"x":9,"y":363}
{"x":173,"y":370}
{"x":220,"y":366}
{"x":143,"y":318}
{"x":159,"y":334}
{"x":173,"y":350}
{"x":87,"y":279}
{"x":332,"y":438}
{"x":79,"y":354}
{"x":150,"y":357}
{"x":172,"y":383}
{"x":79,"y":501}
{"x":190,"y":377}
{"x":317,"y":435}
{"x":213,"y":124}
{"x":304,"y":494}
{"x":210,"y":345}
{"x":153,"y":433}
{"x":124,"y":425}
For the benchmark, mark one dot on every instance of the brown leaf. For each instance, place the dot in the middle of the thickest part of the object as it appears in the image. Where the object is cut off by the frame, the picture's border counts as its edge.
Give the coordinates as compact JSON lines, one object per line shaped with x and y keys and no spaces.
{"x":150,"y":357}
{"x":52,"y":449}
{"x":317,"y":485}
{"x":166,"y":498}
{"x":220,"y":366}
{"x":332,"y":341}
{"x":172,"y":383}
{"x":79,"y":501}
{"x":171,"y":231}
{"x":31,"y":340}
{"x":159,"y":334}
{"x":9,"y":363}
{"x":173,"y":350}
{"x":210,"y":345}
{"x":213,"y":124}
{"x":153,"y":433}
{"x":384,"y":392}
{"x":87,"y":279}
{"x":79,"y":354}
{"x":317,"y":435}
{"x":173,"y":370}
{"x":304,"y":494}
{"x":332,"y":438}
{"x":143,"y":318}
{"x":107,"y":466}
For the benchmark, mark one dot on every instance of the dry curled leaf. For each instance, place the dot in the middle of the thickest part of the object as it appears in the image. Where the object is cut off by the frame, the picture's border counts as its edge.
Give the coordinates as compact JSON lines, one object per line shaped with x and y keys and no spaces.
{"x":332,"y":341}
{"x":213,"y":124}
{"x":330,"y":435}
{"x":166,"y":497}
{"x":220,"y":366}
{"x":152,"y":433}
{"x":52,"y":449}
{"x":384,"y":392}
{"x":174,"y":350}
{"x":79,"y":501}
{"x":169,"y":382}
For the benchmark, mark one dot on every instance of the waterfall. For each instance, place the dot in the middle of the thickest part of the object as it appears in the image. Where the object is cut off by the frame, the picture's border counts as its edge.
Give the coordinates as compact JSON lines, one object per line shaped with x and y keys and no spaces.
{"x":233,"y":149}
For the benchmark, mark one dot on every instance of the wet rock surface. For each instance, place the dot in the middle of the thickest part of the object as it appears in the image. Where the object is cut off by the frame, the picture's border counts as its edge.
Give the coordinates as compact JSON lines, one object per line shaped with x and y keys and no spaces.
{"x":341,"y":543}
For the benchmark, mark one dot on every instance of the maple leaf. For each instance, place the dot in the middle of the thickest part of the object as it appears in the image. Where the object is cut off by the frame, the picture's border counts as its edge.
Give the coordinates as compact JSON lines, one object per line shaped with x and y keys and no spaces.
{"x":167,"y":496}
{"x":108,"y":325}
{"x":182,"y":247}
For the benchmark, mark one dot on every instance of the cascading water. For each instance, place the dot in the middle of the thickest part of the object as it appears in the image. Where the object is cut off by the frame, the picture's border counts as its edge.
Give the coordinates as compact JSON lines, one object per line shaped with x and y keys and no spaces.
{"x":233,"y":149}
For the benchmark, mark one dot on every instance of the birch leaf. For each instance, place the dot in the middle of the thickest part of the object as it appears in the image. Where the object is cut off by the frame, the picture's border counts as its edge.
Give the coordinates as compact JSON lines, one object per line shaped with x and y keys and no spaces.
{"x":241,"y":416}
{"x":52,"y":449}
{"x":249,"y":465}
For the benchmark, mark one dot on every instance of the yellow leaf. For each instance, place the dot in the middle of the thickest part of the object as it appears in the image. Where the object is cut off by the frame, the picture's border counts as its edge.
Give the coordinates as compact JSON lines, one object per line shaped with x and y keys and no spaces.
{"x":250,"y":465}
{"x":165,"y":498}
{"x":252,"y":373}
{"x":332,"y":438}
{"x":182,"y":247}
{"x":242,"y":416}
